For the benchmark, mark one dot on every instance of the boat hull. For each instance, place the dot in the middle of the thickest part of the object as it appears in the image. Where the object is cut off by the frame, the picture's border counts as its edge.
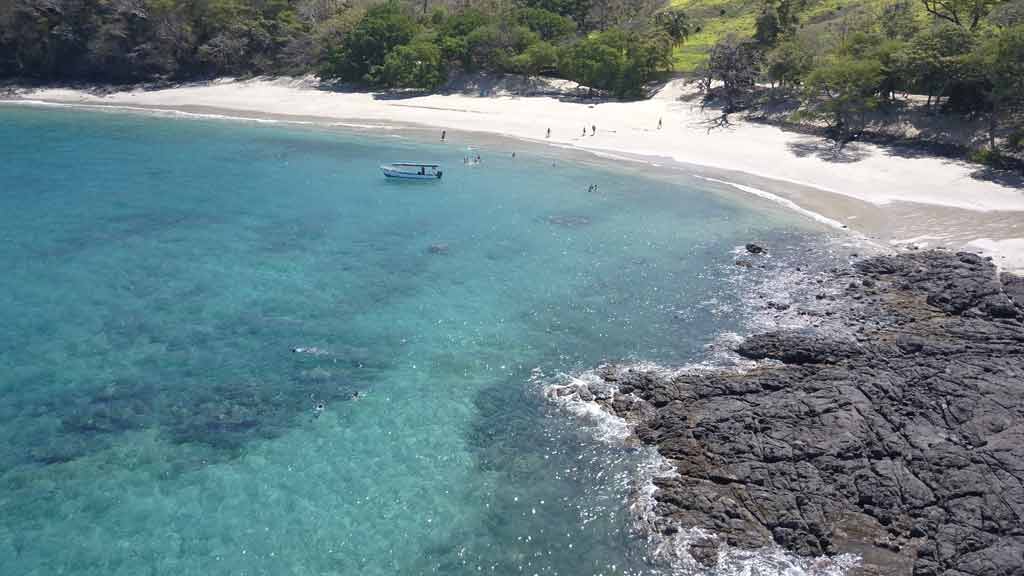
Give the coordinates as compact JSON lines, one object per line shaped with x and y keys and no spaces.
{"x":402,"y":175}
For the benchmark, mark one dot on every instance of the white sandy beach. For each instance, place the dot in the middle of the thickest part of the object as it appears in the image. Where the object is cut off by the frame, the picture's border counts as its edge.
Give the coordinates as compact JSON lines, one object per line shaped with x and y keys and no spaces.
{"x":927,"y":200}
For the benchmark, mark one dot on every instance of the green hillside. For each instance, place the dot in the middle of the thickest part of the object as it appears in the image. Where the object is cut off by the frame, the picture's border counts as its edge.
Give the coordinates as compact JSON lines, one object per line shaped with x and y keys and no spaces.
{"x":718,"y":18}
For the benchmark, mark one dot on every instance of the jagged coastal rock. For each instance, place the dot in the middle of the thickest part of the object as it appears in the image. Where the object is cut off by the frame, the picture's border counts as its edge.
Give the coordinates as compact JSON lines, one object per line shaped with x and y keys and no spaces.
{"x":896,"y":435}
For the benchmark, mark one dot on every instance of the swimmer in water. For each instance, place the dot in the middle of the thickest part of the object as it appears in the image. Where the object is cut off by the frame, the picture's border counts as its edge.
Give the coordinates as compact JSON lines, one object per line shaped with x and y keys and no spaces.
{"x":356,"y":395}
{"x":318,"y":409}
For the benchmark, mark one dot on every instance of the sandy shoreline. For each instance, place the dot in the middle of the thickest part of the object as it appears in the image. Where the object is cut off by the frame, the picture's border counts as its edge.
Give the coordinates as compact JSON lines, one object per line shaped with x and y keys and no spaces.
{"x":890,"y":199}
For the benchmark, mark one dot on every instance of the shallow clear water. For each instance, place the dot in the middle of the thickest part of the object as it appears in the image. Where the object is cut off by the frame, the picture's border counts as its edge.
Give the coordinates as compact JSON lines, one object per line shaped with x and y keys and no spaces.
{"x":158,"y":275}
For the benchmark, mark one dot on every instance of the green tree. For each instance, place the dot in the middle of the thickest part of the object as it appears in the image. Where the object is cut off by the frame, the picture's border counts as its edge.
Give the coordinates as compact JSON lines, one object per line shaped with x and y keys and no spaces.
{"x":615,"y":60}
{"x":464,"y":22}
{"x":1007,"y":14}
{"x":594,"y":62}
{"x":789,"y":62}
{"x":841,"y":92}
{"x":674,"y":23}
{"x":537,"y":58}
{"x":487,"y":49}
{"x":736,"y":64}
{"x":897,"y":20}
{"x":646,"y":55}
{"x":778,"y":18}
{"x":767,"y":27}
{"x":936,"y":58}
{"x":548,"y":25}
{"x":575,"y":9}
{"x":891,"y":55}
{"x":1000,"y":61}
{"x":414,"y":65}
{"x":363,"y":50}
{"x":964,"y":13}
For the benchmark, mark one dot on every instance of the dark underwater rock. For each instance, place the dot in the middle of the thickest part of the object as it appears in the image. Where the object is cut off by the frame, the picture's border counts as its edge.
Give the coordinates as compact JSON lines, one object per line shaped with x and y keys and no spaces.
{"x":568,"y":220}
{"x":897,"y":434}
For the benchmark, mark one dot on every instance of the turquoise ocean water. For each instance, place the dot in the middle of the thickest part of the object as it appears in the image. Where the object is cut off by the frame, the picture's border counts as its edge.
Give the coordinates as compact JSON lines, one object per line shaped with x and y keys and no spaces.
{"x":158,"y":276}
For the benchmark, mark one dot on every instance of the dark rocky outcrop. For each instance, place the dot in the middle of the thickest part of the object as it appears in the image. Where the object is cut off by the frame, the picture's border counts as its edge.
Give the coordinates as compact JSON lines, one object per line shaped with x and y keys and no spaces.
{"x":898,"y":435}
{"x":807,"y":346}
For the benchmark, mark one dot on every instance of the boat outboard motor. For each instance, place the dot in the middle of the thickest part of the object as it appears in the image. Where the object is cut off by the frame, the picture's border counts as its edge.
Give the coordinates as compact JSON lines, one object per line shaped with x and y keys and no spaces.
{"x":438,"y":174}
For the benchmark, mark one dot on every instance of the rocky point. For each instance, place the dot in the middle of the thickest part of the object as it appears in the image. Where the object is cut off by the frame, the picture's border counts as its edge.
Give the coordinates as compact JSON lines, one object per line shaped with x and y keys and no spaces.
{"x":896,"y":434}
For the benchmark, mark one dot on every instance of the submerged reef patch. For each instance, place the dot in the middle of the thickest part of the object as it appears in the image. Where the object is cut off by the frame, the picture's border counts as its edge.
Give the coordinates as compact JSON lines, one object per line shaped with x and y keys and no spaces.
{"x":223,"y":415}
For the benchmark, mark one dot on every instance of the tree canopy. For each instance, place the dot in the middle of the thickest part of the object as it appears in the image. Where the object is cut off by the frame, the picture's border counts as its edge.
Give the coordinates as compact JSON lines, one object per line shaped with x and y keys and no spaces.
{"x":611,"y":45}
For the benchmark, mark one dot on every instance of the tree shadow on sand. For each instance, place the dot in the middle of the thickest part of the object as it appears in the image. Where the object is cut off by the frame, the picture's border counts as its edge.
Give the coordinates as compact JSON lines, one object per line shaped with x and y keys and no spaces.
{"x":720,"y":122}
{"x":1004,"y":177}
{"x":827,"y":150}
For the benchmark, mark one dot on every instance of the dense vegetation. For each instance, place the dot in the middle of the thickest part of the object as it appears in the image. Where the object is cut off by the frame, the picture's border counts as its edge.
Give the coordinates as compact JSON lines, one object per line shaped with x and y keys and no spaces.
{"x":963,"y":57}
{"x":612,"y":45}
{"x":843,"y":61}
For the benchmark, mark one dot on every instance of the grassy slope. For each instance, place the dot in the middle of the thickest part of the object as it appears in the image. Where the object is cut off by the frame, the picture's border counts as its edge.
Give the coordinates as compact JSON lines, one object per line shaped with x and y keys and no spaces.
{"x":717,"y":18}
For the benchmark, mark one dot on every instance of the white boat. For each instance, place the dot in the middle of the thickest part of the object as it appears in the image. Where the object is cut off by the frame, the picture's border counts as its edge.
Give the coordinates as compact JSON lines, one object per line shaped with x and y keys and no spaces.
{"x":411,"y":171}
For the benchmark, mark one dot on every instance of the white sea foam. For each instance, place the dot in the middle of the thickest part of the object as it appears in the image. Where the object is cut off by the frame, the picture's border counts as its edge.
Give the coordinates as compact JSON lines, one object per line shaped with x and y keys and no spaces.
{"x":365,"y":126}
{"x":779,"y":200}
{"x":155,"y":111}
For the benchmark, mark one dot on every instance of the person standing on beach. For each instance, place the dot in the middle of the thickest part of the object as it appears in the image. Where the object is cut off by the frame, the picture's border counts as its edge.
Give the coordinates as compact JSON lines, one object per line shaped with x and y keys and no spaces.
{"x":443,"y":134}
{"x":659,"y":123}
{"x":593,"y":129}
{"x":549,"y":133}
{"x":584,"y":130}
